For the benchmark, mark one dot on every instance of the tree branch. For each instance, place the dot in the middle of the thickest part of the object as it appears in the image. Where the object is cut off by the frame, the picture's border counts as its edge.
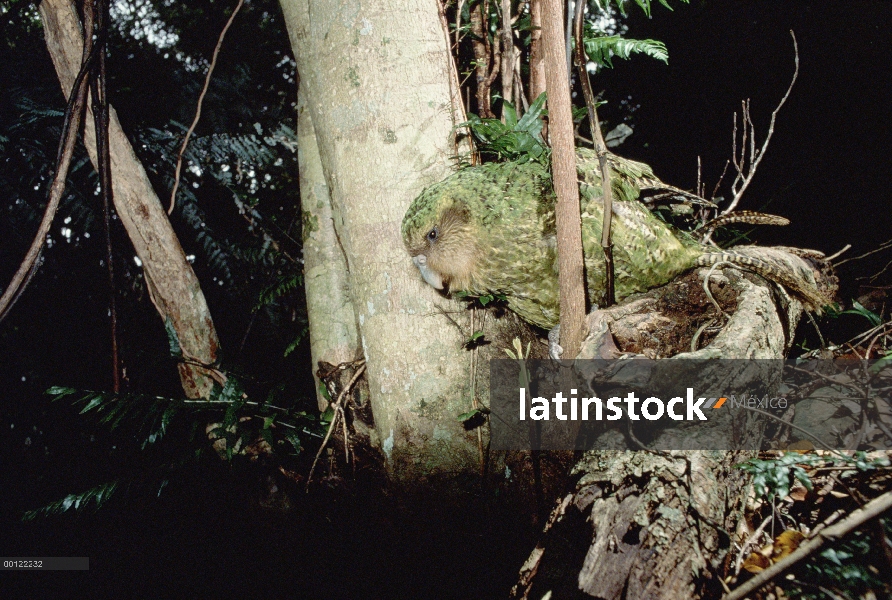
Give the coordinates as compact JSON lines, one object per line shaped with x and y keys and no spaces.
{"x":872,"y":509}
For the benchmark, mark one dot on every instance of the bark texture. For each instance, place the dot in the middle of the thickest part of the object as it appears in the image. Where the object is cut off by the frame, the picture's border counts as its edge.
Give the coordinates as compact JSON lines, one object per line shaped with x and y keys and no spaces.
{"x":566,"y":187}
{"x":172,"y":283}
{"x":537,"y":62}
{"x":651,"y":525}
{"x":375,"y":80}
{"x":334,"y":332}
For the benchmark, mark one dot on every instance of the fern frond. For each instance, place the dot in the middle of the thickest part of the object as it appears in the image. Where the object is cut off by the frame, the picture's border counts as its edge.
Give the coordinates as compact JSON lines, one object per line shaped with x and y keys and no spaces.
{"x":281,"y":287}
{"x":515,"y":139}
{"x":602,"y":49}
{"x":98,"y":495}
{"x":146,"y":417}
{"x":643,"y":4}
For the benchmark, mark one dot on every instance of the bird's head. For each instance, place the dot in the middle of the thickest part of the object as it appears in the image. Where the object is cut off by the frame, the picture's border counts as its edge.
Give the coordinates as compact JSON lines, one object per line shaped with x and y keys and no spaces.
{"x":440,"y":233}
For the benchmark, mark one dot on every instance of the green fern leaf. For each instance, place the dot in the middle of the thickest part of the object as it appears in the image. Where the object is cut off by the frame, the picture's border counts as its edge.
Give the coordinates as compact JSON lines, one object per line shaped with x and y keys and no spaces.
{"x":602,"y":49}
{"x":98,"y":495}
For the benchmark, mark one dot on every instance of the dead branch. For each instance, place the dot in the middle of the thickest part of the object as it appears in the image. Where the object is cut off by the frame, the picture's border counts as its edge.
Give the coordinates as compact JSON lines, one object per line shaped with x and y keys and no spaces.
{"x":528,"y":571}
{"x":481,"y":49}
{"x":746,"y":164}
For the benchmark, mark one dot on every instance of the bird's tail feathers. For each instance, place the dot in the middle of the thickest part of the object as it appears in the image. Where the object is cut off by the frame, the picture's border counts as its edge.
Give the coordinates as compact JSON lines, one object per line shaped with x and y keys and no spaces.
{"x":802,"y":273}
{"x":749,"y":217}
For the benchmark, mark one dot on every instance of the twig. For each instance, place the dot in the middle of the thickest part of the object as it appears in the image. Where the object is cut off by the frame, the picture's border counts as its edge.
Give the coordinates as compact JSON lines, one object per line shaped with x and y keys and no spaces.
{"x":204,"y":90}
{"x":876,"y":275}
{"x":700,"y":190}
{"x":458,"y":11}
{"x":743,"y":180}
{"x":718,"y":184}
{"x":481,"y":47}
{"x":817,"y":329}
{"x":458,"y":108}
{"x":738,"y":563}
{"x":872,"y":509}
{"x":880,"y":248}
{"x":334,"y":420}
{"x":474,"y":404}
{"x":845,"y":248}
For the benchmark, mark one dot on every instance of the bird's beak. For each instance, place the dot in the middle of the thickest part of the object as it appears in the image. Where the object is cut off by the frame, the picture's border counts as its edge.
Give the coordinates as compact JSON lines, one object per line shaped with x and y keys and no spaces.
{"x":430,"y":276}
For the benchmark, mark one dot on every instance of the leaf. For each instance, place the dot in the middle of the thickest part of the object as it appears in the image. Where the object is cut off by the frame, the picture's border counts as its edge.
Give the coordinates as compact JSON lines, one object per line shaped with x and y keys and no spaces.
{"x":881,"y":364}
{"x":60,"y":392}
{"x":519,"y":140}
{"x":786,"y":543}
{"x":858,"y":309}
{"x":294,"y":441}
{"x":93,"y":403}
{"x":98,"y":495}
{"x":510,"y":114}
{"x":602,"y":49}
{"x":801,"y":446}
{"x":468,"y":415}
{"x":756,"y":562}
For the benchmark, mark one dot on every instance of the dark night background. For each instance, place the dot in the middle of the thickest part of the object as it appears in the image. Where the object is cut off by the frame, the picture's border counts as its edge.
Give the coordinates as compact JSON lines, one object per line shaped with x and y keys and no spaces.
{"x":827,"y":170}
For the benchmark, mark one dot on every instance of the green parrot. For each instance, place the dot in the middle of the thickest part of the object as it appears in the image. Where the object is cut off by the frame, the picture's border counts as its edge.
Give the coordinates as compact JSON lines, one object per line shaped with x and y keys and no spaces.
{"x":490,"y":230}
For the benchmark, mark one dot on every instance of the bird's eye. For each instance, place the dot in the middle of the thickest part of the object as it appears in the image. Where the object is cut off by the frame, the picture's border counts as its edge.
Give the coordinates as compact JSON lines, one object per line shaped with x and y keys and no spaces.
{"x":432,"y":235}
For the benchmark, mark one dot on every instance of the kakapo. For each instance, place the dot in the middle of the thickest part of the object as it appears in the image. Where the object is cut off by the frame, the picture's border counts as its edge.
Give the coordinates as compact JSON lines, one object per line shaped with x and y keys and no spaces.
{"x":490,"y":230}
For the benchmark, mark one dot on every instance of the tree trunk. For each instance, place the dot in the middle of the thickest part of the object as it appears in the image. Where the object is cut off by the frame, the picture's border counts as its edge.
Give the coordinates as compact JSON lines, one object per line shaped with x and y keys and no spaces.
{"x":537,"y":63}
{"x":375,"y":82}
{"x":566,"y":187}
{"x":334,"y":332}
{"x":172,"y":284}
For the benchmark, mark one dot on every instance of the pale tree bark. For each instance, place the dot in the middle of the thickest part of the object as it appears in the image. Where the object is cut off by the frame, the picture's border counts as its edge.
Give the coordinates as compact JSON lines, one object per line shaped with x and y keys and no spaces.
{"x":376,"y":83}
{"x":172,"y":283}
{"x":334,"y":332}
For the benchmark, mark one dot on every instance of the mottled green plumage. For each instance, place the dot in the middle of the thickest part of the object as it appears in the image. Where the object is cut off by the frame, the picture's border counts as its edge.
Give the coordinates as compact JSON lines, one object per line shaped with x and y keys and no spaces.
{"x":491,"y":230}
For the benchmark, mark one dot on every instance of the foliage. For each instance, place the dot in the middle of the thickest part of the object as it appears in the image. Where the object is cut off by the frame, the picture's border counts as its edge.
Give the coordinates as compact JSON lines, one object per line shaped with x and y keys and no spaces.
{"x":602,"y":49}
{"x":237,"y":206}
{"x":851,"y":565}
{"x":98,"y":495}
{"x":774,"y":477}
{"x":645,"y":5}
{"x":858,"y":309}
{"x":515,"y":139}
{"x":242,"y":429}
